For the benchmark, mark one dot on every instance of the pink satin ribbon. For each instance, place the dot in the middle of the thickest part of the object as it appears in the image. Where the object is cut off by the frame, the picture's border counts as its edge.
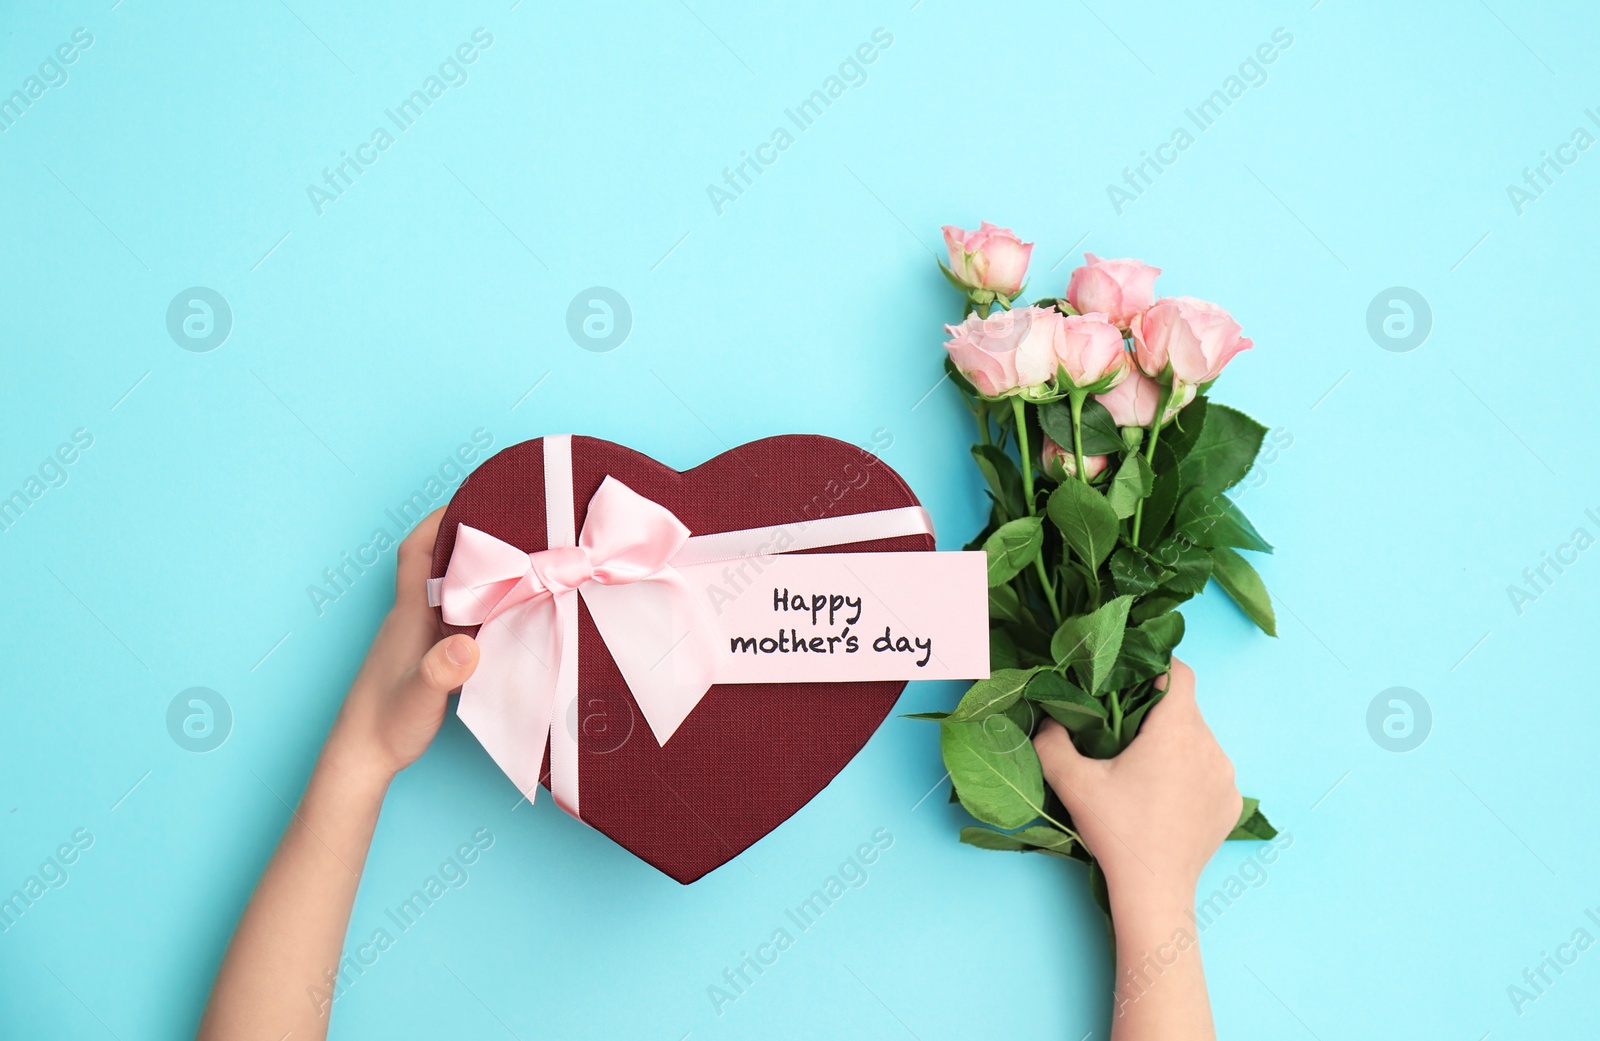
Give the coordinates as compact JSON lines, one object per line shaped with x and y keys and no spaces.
{"x":657,"y":629}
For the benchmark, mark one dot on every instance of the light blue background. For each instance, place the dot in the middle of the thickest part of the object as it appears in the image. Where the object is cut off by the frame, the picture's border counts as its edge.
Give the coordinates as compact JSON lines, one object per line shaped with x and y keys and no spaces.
{"x":427,"y":301}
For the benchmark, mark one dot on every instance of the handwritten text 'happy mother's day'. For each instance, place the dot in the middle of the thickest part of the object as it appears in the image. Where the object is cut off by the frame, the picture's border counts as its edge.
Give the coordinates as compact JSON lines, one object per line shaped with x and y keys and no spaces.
{"x":826,"y":611}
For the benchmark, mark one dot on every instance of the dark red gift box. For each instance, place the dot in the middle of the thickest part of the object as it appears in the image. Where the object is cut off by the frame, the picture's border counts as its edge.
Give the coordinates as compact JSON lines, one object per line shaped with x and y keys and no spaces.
{"x":750,"y":755}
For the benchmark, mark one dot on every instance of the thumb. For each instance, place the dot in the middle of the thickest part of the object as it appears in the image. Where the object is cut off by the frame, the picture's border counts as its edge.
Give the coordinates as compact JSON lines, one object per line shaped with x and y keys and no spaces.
{"x":1059,"y":757}
{"x":447,"y":665}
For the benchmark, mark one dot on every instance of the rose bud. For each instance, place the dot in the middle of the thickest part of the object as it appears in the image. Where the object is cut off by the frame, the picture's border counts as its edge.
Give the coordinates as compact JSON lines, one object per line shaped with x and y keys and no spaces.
{"x":1132,"y":403}
{"x":1192,"y":337}
{"x":1007,"y":353}
{"x":990,"y":258}
{"x":1059,"y":464}
{"x":1091,"y":352}
{"x":1120,"y":289}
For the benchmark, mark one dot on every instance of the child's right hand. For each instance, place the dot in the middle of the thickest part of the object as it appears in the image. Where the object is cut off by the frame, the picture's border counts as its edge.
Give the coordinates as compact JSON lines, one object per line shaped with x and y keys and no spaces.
{"x":1155,"y":814}
{"x":399,"y":698}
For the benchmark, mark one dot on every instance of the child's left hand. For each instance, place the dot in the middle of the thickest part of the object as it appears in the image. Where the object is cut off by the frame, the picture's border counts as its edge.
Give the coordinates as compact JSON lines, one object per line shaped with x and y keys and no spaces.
{"x":399,"y":698}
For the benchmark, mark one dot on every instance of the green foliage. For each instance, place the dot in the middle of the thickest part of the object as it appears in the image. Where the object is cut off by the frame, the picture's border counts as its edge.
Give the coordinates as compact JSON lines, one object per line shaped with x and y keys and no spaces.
{"x":1006,"y":605}
{"x":995,"y":694}
{"x":1012,"y":547}
{"x":994,"y":769}
{"x":1065,"y":701}
{"x":1089,"y":643}
{"x":1253,"y":824}
{"x":1240,"y":581}
{"x":1210,"y":519}
{"x":1085,"y":520}
{"x":1225,"y":449}
{"x":1168,"y":485}
{"x":1180,"y":437}
{"x":1037,"y":839}
{"x":1147,"y":650}
{"x":1136,"y":572}
{"x":1100,"y":433}
{"x":1132,"y":484}
{"x":1003,"y":477}
{"x":1191,"y":564}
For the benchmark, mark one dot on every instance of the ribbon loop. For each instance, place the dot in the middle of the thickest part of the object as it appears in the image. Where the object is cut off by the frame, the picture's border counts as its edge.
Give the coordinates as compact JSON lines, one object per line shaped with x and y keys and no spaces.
{"x":490,"y":578}
{"x":628,"y":536}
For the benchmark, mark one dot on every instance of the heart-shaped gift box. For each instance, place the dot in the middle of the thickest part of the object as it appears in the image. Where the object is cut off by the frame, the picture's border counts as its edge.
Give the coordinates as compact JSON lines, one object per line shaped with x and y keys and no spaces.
{"x":749,"y":755}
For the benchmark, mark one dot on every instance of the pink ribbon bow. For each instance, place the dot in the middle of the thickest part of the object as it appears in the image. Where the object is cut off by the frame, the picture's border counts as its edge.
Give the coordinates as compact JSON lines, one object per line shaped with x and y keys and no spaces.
{"x":656,"y":629}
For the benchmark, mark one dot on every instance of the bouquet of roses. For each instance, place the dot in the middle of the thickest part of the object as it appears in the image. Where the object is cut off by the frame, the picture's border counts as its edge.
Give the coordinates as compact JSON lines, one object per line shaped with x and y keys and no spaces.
{"x":1108,"y":471}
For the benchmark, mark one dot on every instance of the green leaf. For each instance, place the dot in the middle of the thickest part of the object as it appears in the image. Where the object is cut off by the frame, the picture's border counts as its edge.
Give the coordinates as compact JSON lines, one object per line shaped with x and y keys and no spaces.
{"x":1225,"y":449}
{"x":1024,"y":714}
{"x":1090,"y":643}
{"x":1191,"y":563}
{"x":1240,"y":581}
{"x":1211,"y":519}
{"x":1131,"y":721}
{"x":988,"y":838}
{"x":1164,"y":632}
{"x":1003,"y":478}
{"x":1087,"y":521}
{"x":1005,"y":604}
{"x":1180,"y":435}
{"x":1012,"y":547}
{"x":1002,"y":650}
{"x":937,"y":716}
{"x":1044,"y":838}
{"x":1100,"y":433}
{"x":1041,"y":838}
{"x":1065,"y":701}
{"x":1055,"y":419}
{"x":1096,"y":742}
{"x":1071,"y":583}
{"x":1032,"y":643}
{"x":1147,"y":650}
{"x":1136,"y":572}
{"x":1253,"y":824}
{"x":995,"y":694}
{"x":995,"y":771}
{"x":1153,"y":607}
{"x":1132,"y":484}
{"x":1163,"y":495}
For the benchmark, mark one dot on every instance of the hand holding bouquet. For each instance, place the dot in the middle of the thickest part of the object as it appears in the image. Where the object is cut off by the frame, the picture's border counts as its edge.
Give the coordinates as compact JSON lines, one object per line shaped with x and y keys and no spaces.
{"x":1107,"y":468}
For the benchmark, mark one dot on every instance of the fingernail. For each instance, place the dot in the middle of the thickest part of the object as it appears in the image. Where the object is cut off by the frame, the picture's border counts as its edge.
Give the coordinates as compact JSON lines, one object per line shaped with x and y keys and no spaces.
{"x":458,"y":651}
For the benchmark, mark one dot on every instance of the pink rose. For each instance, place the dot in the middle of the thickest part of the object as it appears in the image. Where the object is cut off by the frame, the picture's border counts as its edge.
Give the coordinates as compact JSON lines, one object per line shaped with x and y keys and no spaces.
{"x":1059,"y":464}
{"x":1008,"y":352}
{"x":1119,"y":289}
{"x":1196,"y":338}
{"x":1091,"y":351}
{"x":990,"y":258}
{"x":1132,"y":403}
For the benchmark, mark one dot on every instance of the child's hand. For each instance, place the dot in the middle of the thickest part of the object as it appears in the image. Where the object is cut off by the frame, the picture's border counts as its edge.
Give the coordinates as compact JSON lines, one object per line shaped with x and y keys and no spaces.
{"x":398,"y":699}
{"x":1155,"y":814}
{"x":291,"y":931}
